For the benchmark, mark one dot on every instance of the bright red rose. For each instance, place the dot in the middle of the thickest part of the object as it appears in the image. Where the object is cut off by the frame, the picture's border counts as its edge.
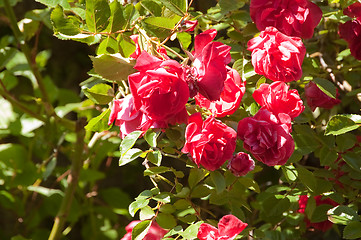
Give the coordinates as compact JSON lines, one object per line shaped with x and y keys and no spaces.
{"x":155,"y":232}
{"x":315,"y":97}
{"x":128,"y":118}
{"x":209,"y":70}
{"x":138,"y":50}
{"x":241,"y":164}
{"x":277,"y":56}
{"x":228,"y":103}
{"x":296,"y":18}
{"x":267,"y":137}
{"x":228,"y":228}
{"x":159,"y":90}
{"x":210,"y":143}
{"x":276,"y":98}
{"x":322,"y":226}
{"x":188,"y":25}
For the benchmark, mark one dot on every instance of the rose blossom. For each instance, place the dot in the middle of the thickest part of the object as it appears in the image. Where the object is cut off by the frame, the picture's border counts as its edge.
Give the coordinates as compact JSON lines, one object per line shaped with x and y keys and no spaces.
{"x":209,"y":69}
{"x":315,"y":97}
{"x":188,"y":25}
{"x":158,"y":89}
{"x":228,"y":228}
{"x":322,"y":226}
{"x":128,"y":118}
{"x":209,"y":143}
{"x":228,"y":103}
{"x":277,"y":56}
{"x":276,"y":98}
{"x":296,"y":18}
{"x":241,"y":164}
{"x":155,"y":232}
{"x":267,"y":137}
{"x":351,"y":30}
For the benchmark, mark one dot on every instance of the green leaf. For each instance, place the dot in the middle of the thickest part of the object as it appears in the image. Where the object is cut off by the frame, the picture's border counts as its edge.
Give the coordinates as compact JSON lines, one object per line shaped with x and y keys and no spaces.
{"x":218,"y":181}
{"x":161,"y":22}
{"x":108,"y":46}
{"x":320,"y":213}
{"x":141,"y":229}
{"x":151,"y":137}
{"x":353,"y":160}
{"x":129,"y":141}
{"x":196,"y":175}
{"x":126,"y":45}
{"x":6,"y":54}
{"x":156,"y":170}
{"x":136,"y":205}
{"x":49,"y":168}
{"x":250,"y":184}
{"x":307,"y":178}
{"x":7,"y":114}
{"x":185,"y":39}
{"x":163,"y":197}
{"x":230,"y":5}
{"x":89,"y":39}
{"x":179,"y":7}
{"x":146,"y":213}
{"x":274,"y":206}
{"x":345,"y":141}
{"x":352,"y":230}
{"x":327,"y":156}
{"x":45,"y":191}
{"x":152,"y":7}
{"x":97,"y":14}
{"x":113,"y":67}
{"x":100,"y":93}
{"x":68,"y":25}
{"x":340,"y":124}
{"x":116,"y":20}
{"x":155,"y":157}
{"x":99,"y":123}
{"x":342,"y":215}
{"x":166,"y":220}
{"x":191,"y":231}
{"x":53,"y":3}
{"x":130,"y":156}
{"x":305,"y":144}
{"x":326,"y":86}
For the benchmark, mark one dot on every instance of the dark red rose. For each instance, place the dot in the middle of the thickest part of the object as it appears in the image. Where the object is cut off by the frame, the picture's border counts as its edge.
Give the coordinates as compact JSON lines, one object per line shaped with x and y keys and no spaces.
{"x":353,"y":11}
{"x":277,"y":56}
{"x":155,"y":232}
{"x":322,"y":226}
{"x":159,"y":90}
{"x":296,"y":18}
{"x":267,"y":137}
{"x":276,"y":98}
{"x":228,"y":228}
{"x":230,"y":99}
{"x":241,"y":164}
{"x":209,"y":69}
{"x":210,"y":143}
{"x":315,"y":97}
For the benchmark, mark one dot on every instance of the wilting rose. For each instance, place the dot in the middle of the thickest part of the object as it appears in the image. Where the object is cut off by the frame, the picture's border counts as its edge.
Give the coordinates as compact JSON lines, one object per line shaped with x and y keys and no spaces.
{"x":159,"y":90}
{"x":351,"y":30}
{"x":228,"y":228}
{"x":155,"y":232}
{"x":230,"y":99}
{"x":277,"y":56}
{"x":124,"y":115}
{"x":267,"y":137}
{"x":138,"y":50}
{"x":278,"y":99}
{"x":241,"y":164}
{"x":209,"y":69}
{"x":315,"y":97}
{"x":324,"y":225}
{"x":210,"y":143}
{"x":296,"y":18}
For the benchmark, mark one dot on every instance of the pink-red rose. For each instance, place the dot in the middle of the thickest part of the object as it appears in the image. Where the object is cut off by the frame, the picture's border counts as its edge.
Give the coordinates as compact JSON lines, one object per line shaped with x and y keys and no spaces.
{"x":315,"y":97}
{"x":267,"y":137}
{"x":228,"y":228}
{"x":155,"y":232}
{"x":230,"y":99}
{"x":124,"y":115}
{"x":351,"y":30}
{"x":188,"y":25}
{"x":241,"y":164}
{"x":276,"y":98}
{"x":324,"y":225}
{"x":277,"y":56}
{"x":209,"y":70}
{"x":159,"y":90}
{"x":210,"y":143}
{"x":296,"y":18}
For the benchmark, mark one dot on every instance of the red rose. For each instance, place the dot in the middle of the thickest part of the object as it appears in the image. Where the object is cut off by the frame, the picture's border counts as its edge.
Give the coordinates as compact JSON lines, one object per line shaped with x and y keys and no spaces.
{"x":315,"y":97}
{"x":210,"y":143}
{"x":277,"y":56}
{"x":188,"y":25}
{"x":228,"y":103}
{"x":351,"y":30}
{"x":228,"y":228}
{"x":209,"y":71}
{"x":267,"y":137}
{"x":158,"y":89}
{"x":241,"y":164}
{"x":276,"y":98}
{"x":128,"y":118}
{"x":296,"y":18}
{"x":155,"y":232}
{"x":322,"y":226}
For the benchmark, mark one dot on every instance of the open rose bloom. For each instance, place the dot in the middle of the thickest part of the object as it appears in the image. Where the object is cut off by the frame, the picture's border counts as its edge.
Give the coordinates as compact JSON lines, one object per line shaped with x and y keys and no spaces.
{"x":241,"y":164}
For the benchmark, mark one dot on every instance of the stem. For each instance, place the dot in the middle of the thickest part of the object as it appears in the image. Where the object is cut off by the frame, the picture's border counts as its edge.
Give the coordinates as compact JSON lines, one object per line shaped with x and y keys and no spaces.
{"x":73,"y":178}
